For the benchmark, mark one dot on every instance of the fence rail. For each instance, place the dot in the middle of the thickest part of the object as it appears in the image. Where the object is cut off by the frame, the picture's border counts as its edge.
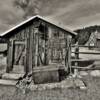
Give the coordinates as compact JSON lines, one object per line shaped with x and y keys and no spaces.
{"x":79,"y":49}
{"x":88,"y":52}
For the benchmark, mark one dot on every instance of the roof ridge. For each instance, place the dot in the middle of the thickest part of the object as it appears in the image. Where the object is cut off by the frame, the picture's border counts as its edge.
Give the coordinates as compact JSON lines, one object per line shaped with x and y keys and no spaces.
{"x":33,"y":17}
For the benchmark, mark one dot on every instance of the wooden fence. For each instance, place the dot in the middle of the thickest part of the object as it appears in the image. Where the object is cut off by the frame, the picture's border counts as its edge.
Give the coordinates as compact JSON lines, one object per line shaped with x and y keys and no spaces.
{"x":77,"y":52}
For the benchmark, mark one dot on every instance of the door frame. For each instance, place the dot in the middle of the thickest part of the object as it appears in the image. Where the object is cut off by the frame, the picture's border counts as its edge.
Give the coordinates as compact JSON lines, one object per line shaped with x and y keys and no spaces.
{"x":15,"y":42}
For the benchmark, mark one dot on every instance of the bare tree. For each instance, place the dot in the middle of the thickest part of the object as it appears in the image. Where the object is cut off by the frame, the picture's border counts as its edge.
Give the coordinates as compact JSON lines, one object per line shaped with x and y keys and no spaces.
{"x":30,"y":7}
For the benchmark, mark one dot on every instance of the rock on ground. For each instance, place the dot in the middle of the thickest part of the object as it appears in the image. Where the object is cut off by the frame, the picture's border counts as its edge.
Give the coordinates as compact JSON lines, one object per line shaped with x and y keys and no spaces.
{"x":95,"y":73}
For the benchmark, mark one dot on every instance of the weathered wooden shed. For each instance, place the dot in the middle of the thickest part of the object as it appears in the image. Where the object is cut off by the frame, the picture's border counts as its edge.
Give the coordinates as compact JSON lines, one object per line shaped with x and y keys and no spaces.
{"x":36,"y":43}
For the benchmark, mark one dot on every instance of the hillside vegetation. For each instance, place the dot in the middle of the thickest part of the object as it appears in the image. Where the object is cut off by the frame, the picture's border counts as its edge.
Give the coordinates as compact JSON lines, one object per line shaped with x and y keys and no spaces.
{"x":84,"y":33}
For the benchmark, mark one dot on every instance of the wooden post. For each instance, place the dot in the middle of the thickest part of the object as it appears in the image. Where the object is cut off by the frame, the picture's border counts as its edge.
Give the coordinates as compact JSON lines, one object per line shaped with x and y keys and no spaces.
{"x":27,"y":51}
{"x":27,"y":56}
{"x":25,"y":61}
{"x":10,"y":56}
{"x":52,"y":50}
{"x":12,"y":53}
{"x":49,"y":43}
{"x":37,"y":47}
{"x":76,"y":57}
{"x":68,"y":55}
{"x":45,"y":50}
{"x":30,"y":50}
{"x":45,"y":54}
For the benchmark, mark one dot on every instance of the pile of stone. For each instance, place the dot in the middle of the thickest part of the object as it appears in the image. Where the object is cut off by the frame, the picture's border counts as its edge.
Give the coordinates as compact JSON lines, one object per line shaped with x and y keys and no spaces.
{"x":67,"y":83}
{"x":27,"y":83}
{"x":24,"y":82}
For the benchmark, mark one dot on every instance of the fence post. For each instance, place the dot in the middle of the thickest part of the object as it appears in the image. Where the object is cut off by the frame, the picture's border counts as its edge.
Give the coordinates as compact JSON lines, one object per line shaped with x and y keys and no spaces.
{"x":76,"y":57}
{"x":68,"y":55}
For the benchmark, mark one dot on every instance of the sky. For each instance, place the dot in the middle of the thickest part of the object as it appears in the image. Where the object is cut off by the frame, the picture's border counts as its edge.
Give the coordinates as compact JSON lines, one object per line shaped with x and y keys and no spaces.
{"x":73,"y":14}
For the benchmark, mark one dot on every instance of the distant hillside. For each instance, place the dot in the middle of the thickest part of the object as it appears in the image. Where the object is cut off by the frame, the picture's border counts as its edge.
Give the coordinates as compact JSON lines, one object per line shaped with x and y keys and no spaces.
{"x":83,"y":34}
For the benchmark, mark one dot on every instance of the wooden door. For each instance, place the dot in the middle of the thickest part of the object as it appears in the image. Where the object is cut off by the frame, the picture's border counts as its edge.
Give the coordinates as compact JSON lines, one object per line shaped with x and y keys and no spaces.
{"x":56,"y":50}
{"x":19,"y":58}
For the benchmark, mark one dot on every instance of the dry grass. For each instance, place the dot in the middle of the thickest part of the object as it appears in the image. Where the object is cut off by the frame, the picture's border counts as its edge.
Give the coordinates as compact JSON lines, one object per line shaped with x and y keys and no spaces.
{"x":92,"y":92}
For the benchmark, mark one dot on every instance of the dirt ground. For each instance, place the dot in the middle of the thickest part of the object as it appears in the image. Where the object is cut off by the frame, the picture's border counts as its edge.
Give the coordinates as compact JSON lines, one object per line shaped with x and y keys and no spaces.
{"x":91,"y":93}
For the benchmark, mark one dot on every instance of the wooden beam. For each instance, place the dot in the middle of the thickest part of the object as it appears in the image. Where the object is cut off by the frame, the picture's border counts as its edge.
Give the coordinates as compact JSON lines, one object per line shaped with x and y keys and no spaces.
{"x":20,"y":42}
{"x":10,"y":56}
{"x":30,"y":49}
{"x":20,"y":54}
{"x":76,"y":57}
{"x":25,"y":59}
{"x":68,"y":54}
{"x":27,"y":55}
{"x":92,"y":66}
{"x":37,"y":48}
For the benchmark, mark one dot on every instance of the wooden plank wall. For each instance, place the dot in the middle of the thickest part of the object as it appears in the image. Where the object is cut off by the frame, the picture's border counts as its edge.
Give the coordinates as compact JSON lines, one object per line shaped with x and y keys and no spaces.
{"x":31,"y":41}
{"x":10,"y":56}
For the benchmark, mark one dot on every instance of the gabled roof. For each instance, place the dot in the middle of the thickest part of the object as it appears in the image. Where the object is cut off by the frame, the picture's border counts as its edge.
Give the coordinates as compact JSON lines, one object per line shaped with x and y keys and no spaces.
{"x":32,"y":18}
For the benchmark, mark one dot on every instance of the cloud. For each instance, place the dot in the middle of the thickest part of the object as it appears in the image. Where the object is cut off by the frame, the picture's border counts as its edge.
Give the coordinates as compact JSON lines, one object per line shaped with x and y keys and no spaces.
{"x":71,"y":13}
{"x":78,"y":13}
{"x":9,"y":15}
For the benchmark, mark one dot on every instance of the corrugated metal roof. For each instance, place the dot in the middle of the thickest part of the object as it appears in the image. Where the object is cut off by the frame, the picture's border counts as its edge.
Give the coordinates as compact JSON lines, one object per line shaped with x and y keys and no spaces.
{"x":44,"y":19}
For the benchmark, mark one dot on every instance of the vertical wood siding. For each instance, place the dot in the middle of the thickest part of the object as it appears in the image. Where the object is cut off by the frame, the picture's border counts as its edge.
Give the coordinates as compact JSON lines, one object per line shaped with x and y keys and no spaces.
{"x":28,"y":35}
